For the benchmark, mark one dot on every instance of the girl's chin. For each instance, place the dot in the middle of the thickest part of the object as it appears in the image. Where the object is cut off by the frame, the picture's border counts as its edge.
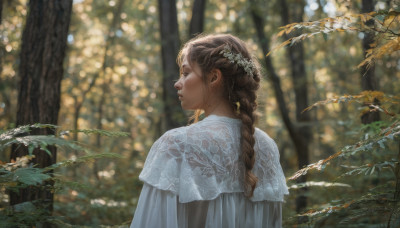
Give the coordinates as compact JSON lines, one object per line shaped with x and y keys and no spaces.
{"x":188,"y":108}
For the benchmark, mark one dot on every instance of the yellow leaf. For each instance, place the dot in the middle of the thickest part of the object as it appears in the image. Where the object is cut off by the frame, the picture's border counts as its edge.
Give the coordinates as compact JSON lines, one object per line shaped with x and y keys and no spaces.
{"x":289,"y":30}
{"x":362,"y":18}
{"x":281,"y":33}
{"x":279,"y":46}
{"x":389,"y":19}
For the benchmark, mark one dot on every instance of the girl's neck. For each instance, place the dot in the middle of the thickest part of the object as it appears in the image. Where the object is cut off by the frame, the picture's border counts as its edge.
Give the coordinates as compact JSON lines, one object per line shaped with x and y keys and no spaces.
{"x":220,"y":108}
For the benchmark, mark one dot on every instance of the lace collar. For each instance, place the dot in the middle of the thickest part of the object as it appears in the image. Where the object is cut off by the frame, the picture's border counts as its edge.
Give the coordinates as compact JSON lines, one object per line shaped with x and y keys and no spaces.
{"x":222,"y":118}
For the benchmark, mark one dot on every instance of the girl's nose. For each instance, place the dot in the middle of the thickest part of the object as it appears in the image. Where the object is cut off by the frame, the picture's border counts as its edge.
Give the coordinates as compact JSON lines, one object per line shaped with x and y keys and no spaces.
{"x":178,"y":84}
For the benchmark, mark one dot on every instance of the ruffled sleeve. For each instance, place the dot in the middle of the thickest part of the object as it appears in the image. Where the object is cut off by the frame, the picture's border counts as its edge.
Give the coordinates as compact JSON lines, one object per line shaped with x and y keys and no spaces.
{"x":271,"y":183}
{"x":163,"y":163}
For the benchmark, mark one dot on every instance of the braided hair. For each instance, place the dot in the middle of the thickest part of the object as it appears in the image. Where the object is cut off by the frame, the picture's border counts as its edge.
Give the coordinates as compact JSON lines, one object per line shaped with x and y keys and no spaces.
{"x":230,"y":55}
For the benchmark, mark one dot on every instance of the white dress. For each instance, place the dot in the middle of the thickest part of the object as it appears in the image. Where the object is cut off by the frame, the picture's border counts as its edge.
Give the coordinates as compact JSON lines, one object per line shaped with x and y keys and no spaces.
{"x":193,"y":177}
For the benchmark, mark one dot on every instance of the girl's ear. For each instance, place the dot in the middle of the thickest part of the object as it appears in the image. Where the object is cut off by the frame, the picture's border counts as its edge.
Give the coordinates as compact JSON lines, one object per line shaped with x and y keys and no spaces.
{"x":215,"y":77}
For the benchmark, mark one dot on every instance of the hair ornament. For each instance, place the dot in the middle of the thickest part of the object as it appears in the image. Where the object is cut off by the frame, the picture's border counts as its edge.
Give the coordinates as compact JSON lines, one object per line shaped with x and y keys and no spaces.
{"x":237,"y":107}
{"x":238,"y":58}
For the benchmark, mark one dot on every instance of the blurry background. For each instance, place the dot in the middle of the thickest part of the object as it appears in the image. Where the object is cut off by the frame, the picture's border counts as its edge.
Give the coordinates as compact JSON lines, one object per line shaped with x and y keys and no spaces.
{"x":119,"y":72}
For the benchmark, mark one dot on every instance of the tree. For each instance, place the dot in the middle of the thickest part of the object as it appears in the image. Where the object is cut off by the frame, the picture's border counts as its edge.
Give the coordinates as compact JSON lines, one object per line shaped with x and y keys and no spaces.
{"x":1,"y":10}
{"x":197,"y":21}
{"x":299,"y":81}
{"x":301,"y":136}
{"x":272,"y":75}
{"x":368,"y":79}
{"x":170,"y":44}
{"x":377,"y":147}
{"x":44,"y":42}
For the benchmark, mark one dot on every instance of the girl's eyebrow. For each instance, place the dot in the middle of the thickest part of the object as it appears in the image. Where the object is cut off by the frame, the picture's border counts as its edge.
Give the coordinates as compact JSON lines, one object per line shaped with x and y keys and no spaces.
{"x":185,"y":65}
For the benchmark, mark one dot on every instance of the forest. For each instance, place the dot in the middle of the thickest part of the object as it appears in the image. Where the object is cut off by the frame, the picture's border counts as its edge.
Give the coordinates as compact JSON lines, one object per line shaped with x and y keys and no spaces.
{"x":87,"y":86}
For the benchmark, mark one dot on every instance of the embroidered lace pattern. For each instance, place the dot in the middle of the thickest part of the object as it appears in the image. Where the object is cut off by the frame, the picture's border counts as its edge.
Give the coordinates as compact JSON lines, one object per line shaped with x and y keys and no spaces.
{"x":238,"y":58}
{"x":202,"y":161}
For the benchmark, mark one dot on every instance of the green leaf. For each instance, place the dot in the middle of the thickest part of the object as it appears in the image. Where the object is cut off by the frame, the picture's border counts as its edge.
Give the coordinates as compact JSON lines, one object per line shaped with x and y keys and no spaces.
{"x":380,"y":142}
{"x":30,"y":176}
{"x":325,"y":36}
{"x":83,"y":159}
{"x":26,"y":207}
{"x":100,"y":132}
{"x":380,"y":17}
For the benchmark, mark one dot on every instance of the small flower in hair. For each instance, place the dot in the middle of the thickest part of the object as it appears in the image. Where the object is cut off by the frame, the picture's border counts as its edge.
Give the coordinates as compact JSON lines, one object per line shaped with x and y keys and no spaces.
{"x":238,"y":58}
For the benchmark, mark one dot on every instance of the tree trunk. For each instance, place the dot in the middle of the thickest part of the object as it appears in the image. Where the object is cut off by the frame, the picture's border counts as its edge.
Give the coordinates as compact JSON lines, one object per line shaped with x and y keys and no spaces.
{"x":1,"y":10}
{"x":173,"y":115}
{"x":273,"y":76}
{"x":41,"y":70}
{"x":394,"y":217}
{"x":368,"y":79}
{"x":2,"y":53}
{"x":197,"y":21}
{"x":100,"y":111}
{"x":299,"y":78}
{"x":388,"y":4}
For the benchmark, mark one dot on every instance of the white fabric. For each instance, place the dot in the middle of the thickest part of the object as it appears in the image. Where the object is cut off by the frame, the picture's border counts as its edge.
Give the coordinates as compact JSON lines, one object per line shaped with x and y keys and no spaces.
{"x":194,"y":174}
{"x":158,"y":208}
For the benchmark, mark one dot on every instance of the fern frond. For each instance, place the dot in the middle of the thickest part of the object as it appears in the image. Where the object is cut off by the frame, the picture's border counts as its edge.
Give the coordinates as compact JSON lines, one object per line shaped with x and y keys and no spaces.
{"x":318,"y":184}
{"x":388,"y":134}
{"x":98,"y":132}
{"x":369,"y":169}
{"x":83,"y":159}
{"x":42,"y":141}
{"x":8,"y":134}
{"x":27,"y":176}
{"x":365,"y":97}
{"x":345,"y":211}
{"x":385,"y":25}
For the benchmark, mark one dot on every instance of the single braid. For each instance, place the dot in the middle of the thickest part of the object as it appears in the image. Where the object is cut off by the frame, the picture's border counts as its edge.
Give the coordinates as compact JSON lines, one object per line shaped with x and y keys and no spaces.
{"x":248,"y":117}
{"x":244,"y":91}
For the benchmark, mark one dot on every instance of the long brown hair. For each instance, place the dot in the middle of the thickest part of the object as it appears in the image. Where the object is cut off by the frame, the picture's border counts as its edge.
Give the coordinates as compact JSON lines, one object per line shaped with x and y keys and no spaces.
{"x":239,"y":86}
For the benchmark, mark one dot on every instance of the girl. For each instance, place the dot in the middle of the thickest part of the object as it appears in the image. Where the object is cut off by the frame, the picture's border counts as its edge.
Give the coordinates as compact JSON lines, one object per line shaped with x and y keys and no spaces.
{"x":220,"y":171}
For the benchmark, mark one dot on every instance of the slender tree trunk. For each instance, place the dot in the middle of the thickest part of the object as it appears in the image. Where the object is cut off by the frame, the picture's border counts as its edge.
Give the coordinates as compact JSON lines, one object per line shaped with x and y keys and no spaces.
{"x":294,"y":132}
{"x":2,"y":52}
{"x":394,"y":217}
{"x":299,"y":78}
{"x":100,"y":111}
{"x":173,"y":115}
{"x":1,"y":10}
{"x":368,"y":78}
{"x":197,"y":21}
{"x":44,"y":42}
{"x":388,"y":3}
{"x":110,"y":40}
{"x":106,"y":83}
{"x":273,"y":76}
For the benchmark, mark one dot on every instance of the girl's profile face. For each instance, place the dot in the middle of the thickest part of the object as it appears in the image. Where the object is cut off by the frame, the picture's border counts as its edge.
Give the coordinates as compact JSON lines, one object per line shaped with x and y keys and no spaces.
{"x":190,"y":86}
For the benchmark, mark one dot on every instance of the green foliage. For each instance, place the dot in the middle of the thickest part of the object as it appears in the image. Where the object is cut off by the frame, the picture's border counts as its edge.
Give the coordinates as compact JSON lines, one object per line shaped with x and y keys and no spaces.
{"x":25,"y":214}
{"x":370,"y":157}
{"x":22,"y":174}
{"x":373,"y":156}
{"x":385,"y":24}
{"x":91,"y":192}
{"x":97,"y":132}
